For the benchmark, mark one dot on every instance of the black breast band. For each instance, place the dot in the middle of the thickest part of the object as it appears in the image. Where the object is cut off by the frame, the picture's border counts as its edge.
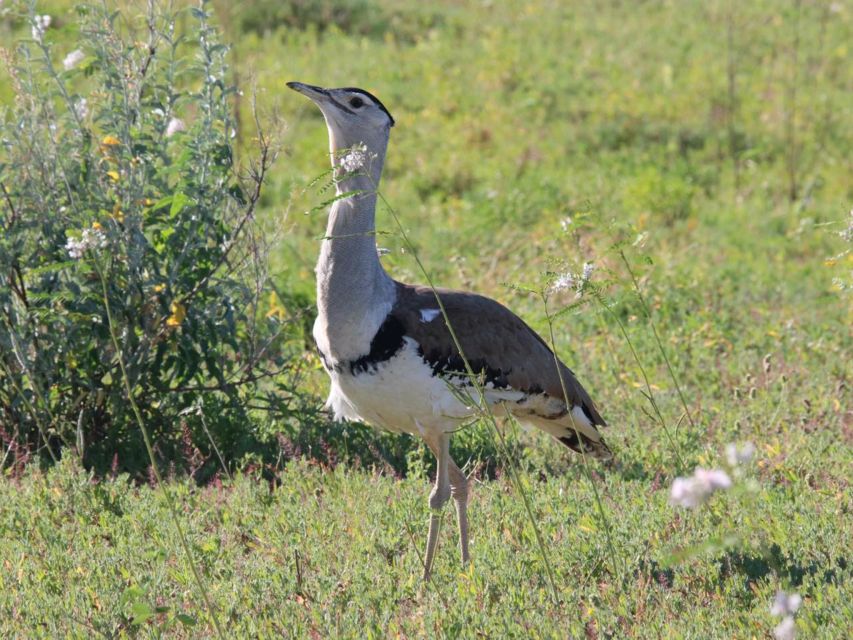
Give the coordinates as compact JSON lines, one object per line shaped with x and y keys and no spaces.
{"x":385,"y":345}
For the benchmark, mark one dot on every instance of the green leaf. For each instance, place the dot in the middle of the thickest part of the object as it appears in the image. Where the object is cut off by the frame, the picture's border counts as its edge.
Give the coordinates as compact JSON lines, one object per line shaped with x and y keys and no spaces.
{"x":186,"y":620}
{"x":131,"y":593}
{"x":179,"y":201}
{"x":141,"y":612}
{"x":237,"y":193}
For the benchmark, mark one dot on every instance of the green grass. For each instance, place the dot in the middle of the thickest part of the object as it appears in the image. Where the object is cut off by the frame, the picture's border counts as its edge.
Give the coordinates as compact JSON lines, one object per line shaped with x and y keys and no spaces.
{"x":511,"y":117}
{"x":330,"y":553}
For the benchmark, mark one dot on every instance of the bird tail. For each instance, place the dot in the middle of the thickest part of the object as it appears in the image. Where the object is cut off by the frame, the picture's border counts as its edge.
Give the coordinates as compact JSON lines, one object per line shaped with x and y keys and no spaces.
{"x":576,"y":431}
{"x":581,"y":443}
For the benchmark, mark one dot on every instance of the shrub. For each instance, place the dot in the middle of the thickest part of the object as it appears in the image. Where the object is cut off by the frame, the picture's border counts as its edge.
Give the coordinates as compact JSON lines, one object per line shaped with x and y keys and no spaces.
{"x":128,"y":238}
{"x":352,"y":16}
{"x":362,"y":17}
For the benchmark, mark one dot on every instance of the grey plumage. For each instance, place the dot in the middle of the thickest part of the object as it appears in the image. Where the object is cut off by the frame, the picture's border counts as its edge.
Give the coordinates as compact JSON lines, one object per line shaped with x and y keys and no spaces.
{"x":387,"y":347}
{"x":502,"y":348}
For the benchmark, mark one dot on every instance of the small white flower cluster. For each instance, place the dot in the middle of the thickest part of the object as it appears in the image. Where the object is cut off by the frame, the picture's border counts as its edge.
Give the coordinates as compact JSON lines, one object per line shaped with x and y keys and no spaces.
{"x":355,"y":158}
{"x":175,"y":125}
{"x":847,"y":234}
{"x":81,"y":108}
{"x":785,"y":605}
{"x":695,"y":490}
{"x":73,"y":59}
{"x":40,"y":25}
{"x":566,"y":223}
{"x":738,"y":455}
{"x":91,"y":239}
{"x":567,"y":281}
{"x":564,"y":282}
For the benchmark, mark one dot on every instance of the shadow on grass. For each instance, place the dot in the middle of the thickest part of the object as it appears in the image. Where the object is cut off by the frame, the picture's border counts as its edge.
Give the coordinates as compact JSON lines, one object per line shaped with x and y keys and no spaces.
{"x":776,"y":562}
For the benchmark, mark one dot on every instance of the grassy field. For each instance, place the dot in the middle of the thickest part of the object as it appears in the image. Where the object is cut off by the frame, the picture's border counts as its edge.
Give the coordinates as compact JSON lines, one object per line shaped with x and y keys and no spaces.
{"x":699,"y":154}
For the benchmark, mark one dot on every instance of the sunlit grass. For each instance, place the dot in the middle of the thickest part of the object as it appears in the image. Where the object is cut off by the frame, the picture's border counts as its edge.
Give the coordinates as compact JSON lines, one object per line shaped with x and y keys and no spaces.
{"x":531,"y":138}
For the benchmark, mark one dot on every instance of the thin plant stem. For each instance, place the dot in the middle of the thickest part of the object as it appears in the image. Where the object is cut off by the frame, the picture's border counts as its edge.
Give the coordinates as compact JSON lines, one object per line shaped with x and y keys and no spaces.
{"x":422,"y":562}
{"x":167,"y":494}
{"x":649,"y":393}
{"x":731,"y":77}
{"x":213,"y":444}
{"x":31,"y":410}
{"x":651,"y":322}
{"x":791,"y":109}
{"x":585,"y":464}
{"x":485,"y":411}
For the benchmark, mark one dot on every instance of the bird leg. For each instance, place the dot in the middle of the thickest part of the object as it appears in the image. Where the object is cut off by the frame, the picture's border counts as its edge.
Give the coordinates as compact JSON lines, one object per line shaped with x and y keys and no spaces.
{"x":459,"y":492}
{"x":439,"y":495}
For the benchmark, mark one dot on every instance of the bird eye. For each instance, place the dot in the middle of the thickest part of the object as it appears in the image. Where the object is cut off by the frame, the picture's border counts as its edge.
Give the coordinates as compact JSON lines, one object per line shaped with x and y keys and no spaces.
{"x":356,"y":102}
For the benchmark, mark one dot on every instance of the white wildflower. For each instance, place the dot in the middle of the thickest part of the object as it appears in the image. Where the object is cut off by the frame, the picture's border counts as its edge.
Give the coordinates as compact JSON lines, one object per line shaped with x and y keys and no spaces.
{"x":847,"y":234}
{"x":565,"y":223}
{"x":40,"y":25}
{"x":785,"y":604}
{"x":355,"y":158}
{"x":93,"y":238}
{"x":175,"y":125}
{"x":81,"y":108}
{"x":564,"y":282}
{"x":158,"y":112}
{"x":693,"y":491}
{"x":785,"y":630}
{"x":75,"y":248}
{"x":73,"y":59}
{"x":737,"y":455}
{"x":577,"y":281}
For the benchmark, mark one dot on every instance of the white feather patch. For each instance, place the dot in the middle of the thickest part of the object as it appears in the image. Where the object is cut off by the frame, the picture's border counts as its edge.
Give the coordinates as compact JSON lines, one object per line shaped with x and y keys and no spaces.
{"x":580,"y":417}
{"x":428,"y":315}
{"x":400,"y":394}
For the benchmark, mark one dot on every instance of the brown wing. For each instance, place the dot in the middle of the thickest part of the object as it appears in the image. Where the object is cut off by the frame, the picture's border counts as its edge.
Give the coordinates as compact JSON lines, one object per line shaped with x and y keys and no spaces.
{"x":498,"y":345}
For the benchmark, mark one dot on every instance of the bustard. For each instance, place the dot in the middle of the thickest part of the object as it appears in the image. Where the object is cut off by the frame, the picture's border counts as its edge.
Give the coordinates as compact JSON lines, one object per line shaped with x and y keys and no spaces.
{"x":386,"y":345}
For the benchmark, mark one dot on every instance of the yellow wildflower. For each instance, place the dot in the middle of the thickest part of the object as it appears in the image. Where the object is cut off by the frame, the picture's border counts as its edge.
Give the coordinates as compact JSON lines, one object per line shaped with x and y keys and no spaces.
{"x":110,"y":141}
{"x":97,"y":226}
{"x":118,"y":214}
{"x":179,"y":312}
{"x":113,"y":175}
{"x":275,"y":308}
{"x":159,"y":287}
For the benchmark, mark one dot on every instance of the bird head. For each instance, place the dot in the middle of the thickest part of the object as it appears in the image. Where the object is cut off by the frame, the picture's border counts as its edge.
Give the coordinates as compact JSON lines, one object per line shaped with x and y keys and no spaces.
{"x":353,"y":117}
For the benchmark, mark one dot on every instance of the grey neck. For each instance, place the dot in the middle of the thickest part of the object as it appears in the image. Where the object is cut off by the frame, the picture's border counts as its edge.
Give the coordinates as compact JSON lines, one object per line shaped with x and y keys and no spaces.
{"x":354,"y":294}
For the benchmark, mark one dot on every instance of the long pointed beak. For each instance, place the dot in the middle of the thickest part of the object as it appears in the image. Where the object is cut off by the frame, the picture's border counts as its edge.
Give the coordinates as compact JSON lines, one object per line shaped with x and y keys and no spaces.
{"x":317,"y":94}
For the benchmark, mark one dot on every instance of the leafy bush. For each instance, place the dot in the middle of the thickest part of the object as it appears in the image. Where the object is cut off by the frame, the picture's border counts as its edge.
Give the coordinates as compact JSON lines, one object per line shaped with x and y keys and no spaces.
{"x":353,"y":16}
{"x":361,"y":17}
{"x":128,"y":243}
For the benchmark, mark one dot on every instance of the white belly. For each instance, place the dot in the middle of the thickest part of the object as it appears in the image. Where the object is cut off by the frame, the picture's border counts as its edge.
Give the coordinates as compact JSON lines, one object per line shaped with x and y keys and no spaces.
{"x":402,"y":394}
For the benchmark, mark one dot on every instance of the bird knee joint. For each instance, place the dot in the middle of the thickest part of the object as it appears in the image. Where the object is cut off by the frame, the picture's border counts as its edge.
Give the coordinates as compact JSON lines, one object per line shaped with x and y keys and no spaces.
{"x":438,"y":497}
{"x":459,"y":491}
